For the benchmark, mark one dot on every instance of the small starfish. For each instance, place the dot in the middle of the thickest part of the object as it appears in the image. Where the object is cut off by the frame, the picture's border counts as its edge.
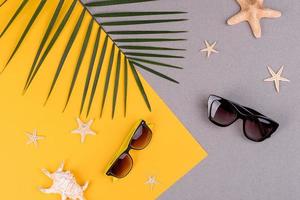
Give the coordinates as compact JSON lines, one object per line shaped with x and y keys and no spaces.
{"x":276,"y":77}
{"x":33,"y":138}
{"x":152,"y":182}
{"x":252,"y":11}
{"x":84,"y":129}
{"x":209,"y":48}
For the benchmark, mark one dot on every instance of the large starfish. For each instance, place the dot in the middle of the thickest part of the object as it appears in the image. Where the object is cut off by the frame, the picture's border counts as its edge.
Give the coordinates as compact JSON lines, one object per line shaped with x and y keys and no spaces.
{"x":252,"y":11}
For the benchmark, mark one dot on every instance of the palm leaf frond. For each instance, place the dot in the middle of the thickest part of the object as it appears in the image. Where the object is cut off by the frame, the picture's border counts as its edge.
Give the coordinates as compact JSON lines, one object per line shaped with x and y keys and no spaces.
{"x":108,"y":73}
{"x":135,"y":47}
{"x":90,"y":70}
{"x":137,"y":22}
{"x":152,"y":55}
{"x":128,"y":47}
{"x":153,"y":71}
{"x":45,"y":38}
{"x":154,"y":62}
{"x":125,"y":85}
{"x":50,"y":45}
{"x":97,"y":74}
{"x":140,"y":85}
{"x":79,"y":62}
{"x":65,"y":54}
{"x":144,"y":32}
{"x":20,"y":8}
{"x":114,"y":2}
{"x":116,"y":84}
{"x":134,"y":14}
{"x":135,"y":40}
{"x":3,"y":3}
{"x":33,"y":18}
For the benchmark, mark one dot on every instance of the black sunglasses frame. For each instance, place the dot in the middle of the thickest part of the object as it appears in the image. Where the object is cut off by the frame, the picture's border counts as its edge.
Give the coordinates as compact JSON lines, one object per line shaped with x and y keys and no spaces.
{"x":243,"y":113}
{"x":127,"y":150}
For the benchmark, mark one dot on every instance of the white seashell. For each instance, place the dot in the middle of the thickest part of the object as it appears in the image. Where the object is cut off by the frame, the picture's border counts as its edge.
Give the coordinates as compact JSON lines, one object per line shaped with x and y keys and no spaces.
{"x":64,"y":183}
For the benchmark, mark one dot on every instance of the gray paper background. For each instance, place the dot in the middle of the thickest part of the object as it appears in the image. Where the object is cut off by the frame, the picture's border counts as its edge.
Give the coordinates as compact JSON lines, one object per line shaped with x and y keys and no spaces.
{"x":236,"y":168}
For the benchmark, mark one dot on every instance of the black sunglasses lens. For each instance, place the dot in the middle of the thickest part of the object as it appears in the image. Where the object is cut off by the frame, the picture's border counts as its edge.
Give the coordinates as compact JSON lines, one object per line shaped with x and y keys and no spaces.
{"x":222,"y":112}
{"x":141,"y":137}
{"x":259,"y":129}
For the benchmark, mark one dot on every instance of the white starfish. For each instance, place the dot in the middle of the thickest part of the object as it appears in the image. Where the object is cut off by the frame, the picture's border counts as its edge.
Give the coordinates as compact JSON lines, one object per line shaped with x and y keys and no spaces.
{"x":33,"y":138}
{"x":276,"y":77}
{"x":64,"y":183}
{"x":152,"y":182}
{"x":84,"y":129}
{"x":209,"y":48}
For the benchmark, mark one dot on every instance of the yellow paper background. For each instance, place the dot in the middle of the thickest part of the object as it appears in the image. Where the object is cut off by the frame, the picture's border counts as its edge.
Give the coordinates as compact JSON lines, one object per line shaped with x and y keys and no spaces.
{"x":171,"y":153}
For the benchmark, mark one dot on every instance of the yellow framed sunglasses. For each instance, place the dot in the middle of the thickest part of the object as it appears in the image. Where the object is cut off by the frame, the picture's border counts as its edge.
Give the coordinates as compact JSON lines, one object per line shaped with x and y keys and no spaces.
{"x":138,"y":139}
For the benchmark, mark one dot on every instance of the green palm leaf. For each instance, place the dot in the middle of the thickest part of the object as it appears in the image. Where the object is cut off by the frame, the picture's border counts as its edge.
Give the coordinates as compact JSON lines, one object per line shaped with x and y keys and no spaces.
{"x":33,"y":18}
{"x":84,"y":46}
{"x":92,"y":62}
{"x":142,"y":32}
{"x":3,"y":3}
{"x":125,"y":85}
{"x":51,"y":43}
{"x":97,"y":74}
{"x":136,"y":40}
{"x":20,"y":8}
{"x":116,"y":84}
{"x":154,"y":63}
{"x":134,"y":55}
{"x":140,"y":85}
{"x":66,"y":52}
{"x":134,"y":14}
{"x":135,"y":47}
{"x":46,"y":36}
{"x":135,"y":22}
{"x":114,"y":2}
{"x":154,"y":72}
{"x":152,"y":55}
{"x":108,"y":73}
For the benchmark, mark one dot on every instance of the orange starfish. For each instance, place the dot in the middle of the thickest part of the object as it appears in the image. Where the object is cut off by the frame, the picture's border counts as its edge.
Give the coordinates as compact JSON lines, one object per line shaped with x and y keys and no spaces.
{"x":252,"y":11}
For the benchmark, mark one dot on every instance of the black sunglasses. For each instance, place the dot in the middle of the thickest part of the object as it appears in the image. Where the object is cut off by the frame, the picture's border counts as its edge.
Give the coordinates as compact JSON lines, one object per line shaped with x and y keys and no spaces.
{"x":257,"y":127}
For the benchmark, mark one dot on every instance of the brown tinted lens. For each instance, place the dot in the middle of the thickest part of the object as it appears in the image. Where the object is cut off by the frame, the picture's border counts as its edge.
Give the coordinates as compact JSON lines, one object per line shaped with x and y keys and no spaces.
{"x":222,"y":112}
{"x":141,"y":137}
{"x":252,"y":130}
{"x":122,"y":166}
